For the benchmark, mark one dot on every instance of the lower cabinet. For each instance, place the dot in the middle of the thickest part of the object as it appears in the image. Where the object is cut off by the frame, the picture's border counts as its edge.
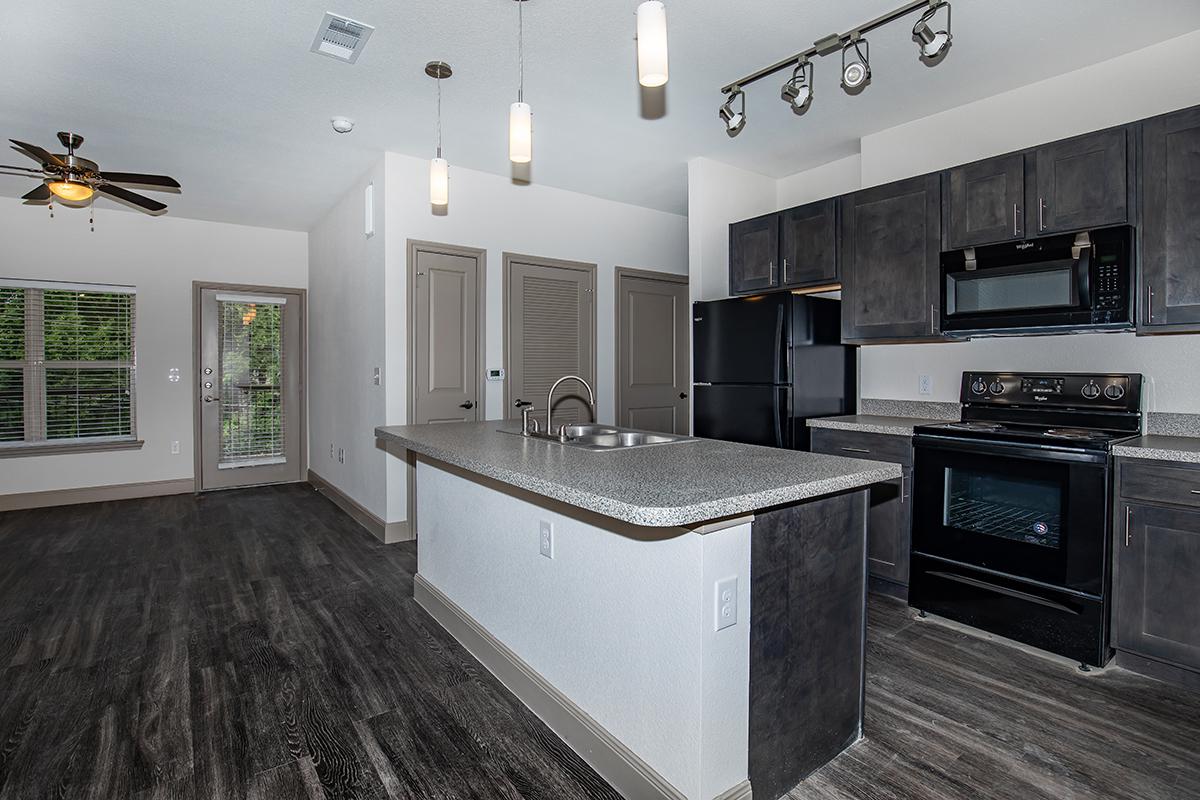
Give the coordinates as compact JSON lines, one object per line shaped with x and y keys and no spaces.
{"x":889,"y":533}
{"x":1156,"y":614}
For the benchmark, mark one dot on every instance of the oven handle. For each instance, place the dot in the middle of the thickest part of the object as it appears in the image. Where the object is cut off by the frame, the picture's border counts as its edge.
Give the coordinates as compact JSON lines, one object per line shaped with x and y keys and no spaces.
{"x":991,"y":587}
{"x":927,"y":442}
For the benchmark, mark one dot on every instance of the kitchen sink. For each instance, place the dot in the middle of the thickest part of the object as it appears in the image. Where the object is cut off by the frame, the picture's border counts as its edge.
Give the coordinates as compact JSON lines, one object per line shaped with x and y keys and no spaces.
{"x":607,"y":437}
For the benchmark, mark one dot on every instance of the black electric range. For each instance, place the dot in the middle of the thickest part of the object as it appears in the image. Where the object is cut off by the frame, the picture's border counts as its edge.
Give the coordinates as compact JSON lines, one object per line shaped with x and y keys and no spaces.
{"x":1011,"y":507}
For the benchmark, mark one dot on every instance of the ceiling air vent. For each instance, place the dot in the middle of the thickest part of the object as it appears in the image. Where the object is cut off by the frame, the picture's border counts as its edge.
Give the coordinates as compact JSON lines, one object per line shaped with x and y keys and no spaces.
{"x":341,"y":38}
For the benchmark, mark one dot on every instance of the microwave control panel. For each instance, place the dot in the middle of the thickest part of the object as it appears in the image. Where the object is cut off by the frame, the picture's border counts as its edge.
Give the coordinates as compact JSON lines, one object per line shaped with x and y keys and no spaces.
{"x":1111,"y":288}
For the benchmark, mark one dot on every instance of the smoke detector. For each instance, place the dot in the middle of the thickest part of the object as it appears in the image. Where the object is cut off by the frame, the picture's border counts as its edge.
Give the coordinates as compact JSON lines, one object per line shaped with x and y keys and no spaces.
{"x":342,"y":124}
{"x":341,"y":38}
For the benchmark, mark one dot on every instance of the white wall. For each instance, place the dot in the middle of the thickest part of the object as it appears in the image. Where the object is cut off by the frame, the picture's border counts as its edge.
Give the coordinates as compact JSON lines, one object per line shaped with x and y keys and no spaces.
{"x":346,"y":342}
{"x":161,"y":257}
{"x":828,"y":180}
{"x":717,"y":195}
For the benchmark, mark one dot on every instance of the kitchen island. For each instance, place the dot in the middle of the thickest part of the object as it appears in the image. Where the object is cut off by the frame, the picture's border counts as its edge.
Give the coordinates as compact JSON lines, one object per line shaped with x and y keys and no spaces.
{"x":689,"y":617}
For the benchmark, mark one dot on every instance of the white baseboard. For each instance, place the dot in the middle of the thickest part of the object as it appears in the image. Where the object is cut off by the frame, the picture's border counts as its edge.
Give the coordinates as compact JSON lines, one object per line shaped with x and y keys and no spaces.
{"x":96,"y":494}
{"x":386,"y":532}
{"x":613,"y":760}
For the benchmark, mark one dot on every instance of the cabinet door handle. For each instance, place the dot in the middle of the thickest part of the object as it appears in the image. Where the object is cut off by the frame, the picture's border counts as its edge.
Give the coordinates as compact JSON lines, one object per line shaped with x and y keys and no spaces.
{"x":785,"y":270}
{"x":855,"y":450}
{"x":1016,"y":228}
{"x":902,"y":492}
{"x":1128,"y":514}
{"x":771,"y":266}
{"x":1149,"y":304}
{"x":1041,"y":214}
{"x":1195,"y":491}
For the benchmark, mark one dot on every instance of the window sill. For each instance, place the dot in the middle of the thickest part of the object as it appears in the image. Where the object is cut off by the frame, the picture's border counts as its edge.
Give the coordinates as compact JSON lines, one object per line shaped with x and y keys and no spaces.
{"x":20,"y":449}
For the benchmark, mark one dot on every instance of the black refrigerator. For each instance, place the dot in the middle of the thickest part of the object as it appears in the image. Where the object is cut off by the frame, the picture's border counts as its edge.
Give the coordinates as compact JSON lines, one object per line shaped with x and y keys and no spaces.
{"x":764,"y":365}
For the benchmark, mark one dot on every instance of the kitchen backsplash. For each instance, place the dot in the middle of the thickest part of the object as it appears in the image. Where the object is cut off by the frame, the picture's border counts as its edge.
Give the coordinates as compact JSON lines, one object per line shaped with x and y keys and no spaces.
{"x":922,"y":409}
{"x":1165,"y":424}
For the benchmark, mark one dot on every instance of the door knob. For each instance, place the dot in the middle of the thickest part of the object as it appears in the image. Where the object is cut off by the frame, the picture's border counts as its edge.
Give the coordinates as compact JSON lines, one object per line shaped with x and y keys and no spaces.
{"x":208,"y":398}
{"x":522,"y":403}
{"x":683,"y":395}
{"x":468,"y":405}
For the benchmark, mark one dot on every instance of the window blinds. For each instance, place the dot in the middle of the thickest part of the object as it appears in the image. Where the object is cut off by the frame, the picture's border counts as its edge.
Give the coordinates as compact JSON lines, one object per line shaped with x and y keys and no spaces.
{"x":67,"y":366}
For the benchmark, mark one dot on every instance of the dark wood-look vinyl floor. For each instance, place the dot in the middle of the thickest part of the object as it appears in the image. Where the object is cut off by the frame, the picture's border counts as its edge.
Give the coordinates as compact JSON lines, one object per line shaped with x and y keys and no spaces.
{"x":259,"y":644}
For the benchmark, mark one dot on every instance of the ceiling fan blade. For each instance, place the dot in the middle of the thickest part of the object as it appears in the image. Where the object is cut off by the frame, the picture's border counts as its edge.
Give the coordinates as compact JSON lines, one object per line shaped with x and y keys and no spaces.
{"x":38,"y":194}
{"x":142,"y":202}
{"x":38,"y":154}
{"x":139,"y":179}
{"x":23,"y":169}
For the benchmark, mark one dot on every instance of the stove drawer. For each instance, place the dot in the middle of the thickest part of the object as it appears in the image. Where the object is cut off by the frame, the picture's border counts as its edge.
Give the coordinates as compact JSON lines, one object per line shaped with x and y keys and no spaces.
{"x":1156,"y":482}
{"x":856,"y":444}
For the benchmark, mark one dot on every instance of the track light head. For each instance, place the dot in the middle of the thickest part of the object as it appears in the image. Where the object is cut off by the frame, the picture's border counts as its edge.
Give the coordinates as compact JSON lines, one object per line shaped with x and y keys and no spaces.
{"x":734,"y":120}
{"x":934,"y":44}
{"x":856,"y":73}
{"x":798,"y":91}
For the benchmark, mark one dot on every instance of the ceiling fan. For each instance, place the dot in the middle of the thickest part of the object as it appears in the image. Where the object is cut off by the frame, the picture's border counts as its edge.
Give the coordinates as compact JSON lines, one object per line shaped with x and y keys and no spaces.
{"x":76,"y":180}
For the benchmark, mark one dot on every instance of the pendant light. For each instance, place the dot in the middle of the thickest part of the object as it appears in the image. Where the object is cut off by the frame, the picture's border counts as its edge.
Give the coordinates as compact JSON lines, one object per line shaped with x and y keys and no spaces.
{"x":520,"y":115}
{"x":439,"y":168}
{"x":652,"y":43}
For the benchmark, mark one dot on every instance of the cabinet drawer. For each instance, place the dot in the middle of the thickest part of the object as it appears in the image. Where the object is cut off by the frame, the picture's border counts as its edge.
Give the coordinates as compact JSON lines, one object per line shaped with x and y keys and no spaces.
{"x":1160,"y":483}
{"x":853,"y":444}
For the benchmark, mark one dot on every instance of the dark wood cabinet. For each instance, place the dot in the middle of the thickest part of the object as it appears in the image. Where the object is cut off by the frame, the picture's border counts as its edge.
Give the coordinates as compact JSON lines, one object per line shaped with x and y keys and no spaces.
{"x":1156,"y":616}
{"x":754,"y":255}
{"x":986,"y":202}
{"x":1081,"y":183}
{"x":889,"y":532}
{"x":808,"y":244}
{"x":1169,"y":291}
{"x":890,"y":245}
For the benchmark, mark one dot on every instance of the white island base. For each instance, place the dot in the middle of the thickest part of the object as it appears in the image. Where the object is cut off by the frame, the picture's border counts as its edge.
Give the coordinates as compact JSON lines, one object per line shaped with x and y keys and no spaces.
{"x":613,"y":640}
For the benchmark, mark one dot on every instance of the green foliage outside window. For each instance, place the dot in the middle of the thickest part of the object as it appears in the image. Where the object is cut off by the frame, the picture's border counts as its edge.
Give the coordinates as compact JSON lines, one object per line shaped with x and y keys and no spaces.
{"x":251,"y":375}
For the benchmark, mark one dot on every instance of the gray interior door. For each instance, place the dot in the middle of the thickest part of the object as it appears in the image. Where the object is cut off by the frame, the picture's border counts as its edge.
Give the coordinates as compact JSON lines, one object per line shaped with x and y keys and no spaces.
{"x":652,"y":352}
{"x":249,"y":386}
{"x":445,"y":351}
{"x":550,"y":331}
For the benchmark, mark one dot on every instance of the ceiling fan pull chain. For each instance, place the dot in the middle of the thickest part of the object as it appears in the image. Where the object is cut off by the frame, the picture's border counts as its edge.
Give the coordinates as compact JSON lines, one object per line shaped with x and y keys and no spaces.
{"x":92,"y":217}
{"x":51,"y":209}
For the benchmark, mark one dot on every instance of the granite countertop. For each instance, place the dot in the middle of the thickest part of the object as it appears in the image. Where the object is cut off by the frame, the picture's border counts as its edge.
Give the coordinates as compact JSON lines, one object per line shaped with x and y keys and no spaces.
{"x":1161,"y":448}
{"x":660,"y":486}
{"x":873,"y":423}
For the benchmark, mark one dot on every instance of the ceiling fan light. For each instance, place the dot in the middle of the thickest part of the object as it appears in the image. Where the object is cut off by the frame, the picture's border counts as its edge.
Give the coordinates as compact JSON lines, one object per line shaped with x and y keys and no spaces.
{"x":652,"y":43}
{"x":520,"y":133}
{"x":71,"y":191}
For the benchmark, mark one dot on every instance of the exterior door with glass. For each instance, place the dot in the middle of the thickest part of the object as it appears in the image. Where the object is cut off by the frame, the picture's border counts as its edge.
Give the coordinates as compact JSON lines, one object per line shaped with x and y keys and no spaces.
{"x":249,"y":386}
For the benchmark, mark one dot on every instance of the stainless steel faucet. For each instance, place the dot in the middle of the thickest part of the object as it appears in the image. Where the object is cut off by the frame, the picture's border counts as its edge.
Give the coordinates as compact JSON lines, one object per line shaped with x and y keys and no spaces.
{"x":550,"y":404}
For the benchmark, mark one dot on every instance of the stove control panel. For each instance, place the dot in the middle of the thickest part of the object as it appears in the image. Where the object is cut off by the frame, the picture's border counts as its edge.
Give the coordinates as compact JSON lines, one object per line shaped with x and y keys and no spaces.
{"x":1102,"y":392}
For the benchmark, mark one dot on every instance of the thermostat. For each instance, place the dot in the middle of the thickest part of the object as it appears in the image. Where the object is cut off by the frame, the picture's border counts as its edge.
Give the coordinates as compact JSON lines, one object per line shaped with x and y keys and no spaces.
{"x":495,"y":374}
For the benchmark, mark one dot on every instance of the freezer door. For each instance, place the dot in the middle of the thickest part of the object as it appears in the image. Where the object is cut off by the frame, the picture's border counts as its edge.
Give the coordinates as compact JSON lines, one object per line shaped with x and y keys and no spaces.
{"x":745,"y":340}
{"x":746,"y":414}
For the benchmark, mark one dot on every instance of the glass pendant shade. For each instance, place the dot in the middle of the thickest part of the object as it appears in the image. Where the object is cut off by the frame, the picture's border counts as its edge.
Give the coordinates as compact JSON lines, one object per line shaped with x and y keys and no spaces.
{"x":520,"y":133}
{"x":439,"y":182}
{"x":652,"y":43}
{"x":70,"y":190}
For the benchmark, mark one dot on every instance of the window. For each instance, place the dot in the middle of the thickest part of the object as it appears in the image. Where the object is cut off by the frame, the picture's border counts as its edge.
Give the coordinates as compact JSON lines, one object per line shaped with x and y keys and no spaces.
{"x":67,"y":367}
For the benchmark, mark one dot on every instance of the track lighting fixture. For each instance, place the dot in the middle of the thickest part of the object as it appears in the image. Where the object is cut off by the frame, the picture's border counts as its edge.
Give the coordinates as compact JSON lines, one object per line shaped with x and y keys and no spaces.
{"x":734,"y":120}
{"x":933,"y":43}
{"x":652,"y":43}
{"x":798,"y":91}
{"x":856,"y":73}
{"x":439,"y":168}
{"x":520,"y":115}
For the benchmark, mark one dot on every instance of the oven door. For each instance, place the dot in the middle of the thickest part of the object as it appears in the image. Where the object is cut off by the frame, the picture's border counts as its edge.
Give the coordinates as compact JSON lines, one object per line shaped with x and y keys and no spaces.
{"x":1034,"y":514}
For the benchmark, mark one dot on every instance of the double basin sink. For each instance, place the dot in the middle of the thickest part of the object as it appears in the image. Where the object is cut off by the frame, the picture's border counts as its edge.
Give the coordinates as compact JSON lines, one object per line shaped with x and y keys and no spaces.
{"x":607,"y":437}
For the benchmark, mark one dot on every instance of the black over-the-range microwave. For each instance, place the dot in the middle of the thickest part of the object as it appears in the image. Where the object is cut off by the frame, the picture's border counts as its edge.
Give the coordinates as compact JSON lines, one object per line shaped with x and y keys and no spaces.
{"x":1074,"y":282}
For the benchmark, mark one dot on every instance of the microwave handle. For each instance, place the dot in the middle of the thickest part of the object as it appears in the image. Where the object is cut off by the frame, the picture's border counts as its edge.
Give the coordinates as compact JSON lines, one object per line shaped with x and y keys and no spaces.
{"x":1083,"y":274}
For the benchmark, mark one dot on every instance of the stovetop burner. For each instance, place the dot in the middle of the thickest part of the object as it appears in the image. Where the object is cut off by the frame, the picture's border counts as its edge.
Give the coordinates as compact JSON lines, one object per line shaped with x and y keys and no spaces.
{"x":1078,"y":434}
{"x":975,"y":426}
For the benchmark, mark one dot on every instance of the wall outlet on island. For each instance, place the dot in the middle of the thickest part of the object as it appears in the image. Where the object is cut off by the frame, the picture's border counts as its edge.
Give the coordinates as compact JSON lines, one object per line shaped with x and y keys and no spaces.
{"x":725,"y":603}
{"x":546,"y":538}
{"x":924,"y":385}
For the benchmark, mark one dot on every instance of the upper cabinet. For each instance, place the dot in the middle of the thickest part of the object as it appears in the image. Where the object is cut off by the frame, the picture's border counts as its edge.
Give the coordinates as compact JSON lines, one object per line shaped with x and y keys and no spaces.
{"x":1169,"y":293}
{"x":808,"y":244}
{"x":754,"y":255}
{"x":890,"y":246}
{"x":986,"y":202}
{"x":1082,"y":183}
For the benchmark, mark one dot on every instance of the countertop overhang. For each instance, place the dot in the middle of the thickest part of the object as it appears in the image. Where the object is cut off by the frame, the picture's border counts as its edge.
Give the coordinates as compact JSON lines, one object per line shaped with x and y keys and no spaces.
{"x":660,"y":486}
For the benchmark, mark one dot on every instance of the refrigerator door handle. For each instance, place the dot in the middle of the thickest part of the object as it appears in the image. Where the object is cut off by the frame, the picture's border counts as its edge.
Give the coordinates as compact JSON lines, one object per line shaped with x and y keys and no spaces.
{"x":778,"y":426}
{"x":778,"y":343}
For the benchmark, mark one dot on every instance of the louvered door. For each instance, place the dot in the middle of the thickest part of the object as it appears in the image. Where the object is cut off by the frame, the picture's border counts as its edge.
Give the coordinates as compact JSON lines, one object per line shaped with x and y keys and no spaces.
{"x":550,"y":331}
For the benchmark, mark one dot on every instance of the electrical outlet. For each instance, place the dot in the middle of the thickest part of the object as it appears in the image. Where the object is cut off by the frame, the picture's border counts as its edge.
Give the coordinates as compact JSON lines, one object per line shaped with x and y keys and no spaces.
{"x":546,"y":538}
{"x":377,"y":377}
{"x":725,"y":603}
{"x":174,"y":448}
{"x":925,"y":385}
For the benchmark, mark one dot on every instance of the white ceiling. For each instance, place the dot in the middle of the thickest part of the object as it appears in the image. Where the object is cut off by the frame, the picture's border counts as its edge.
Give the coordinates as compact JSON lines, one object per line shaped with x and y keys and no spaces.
{"x":224,"y":95}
